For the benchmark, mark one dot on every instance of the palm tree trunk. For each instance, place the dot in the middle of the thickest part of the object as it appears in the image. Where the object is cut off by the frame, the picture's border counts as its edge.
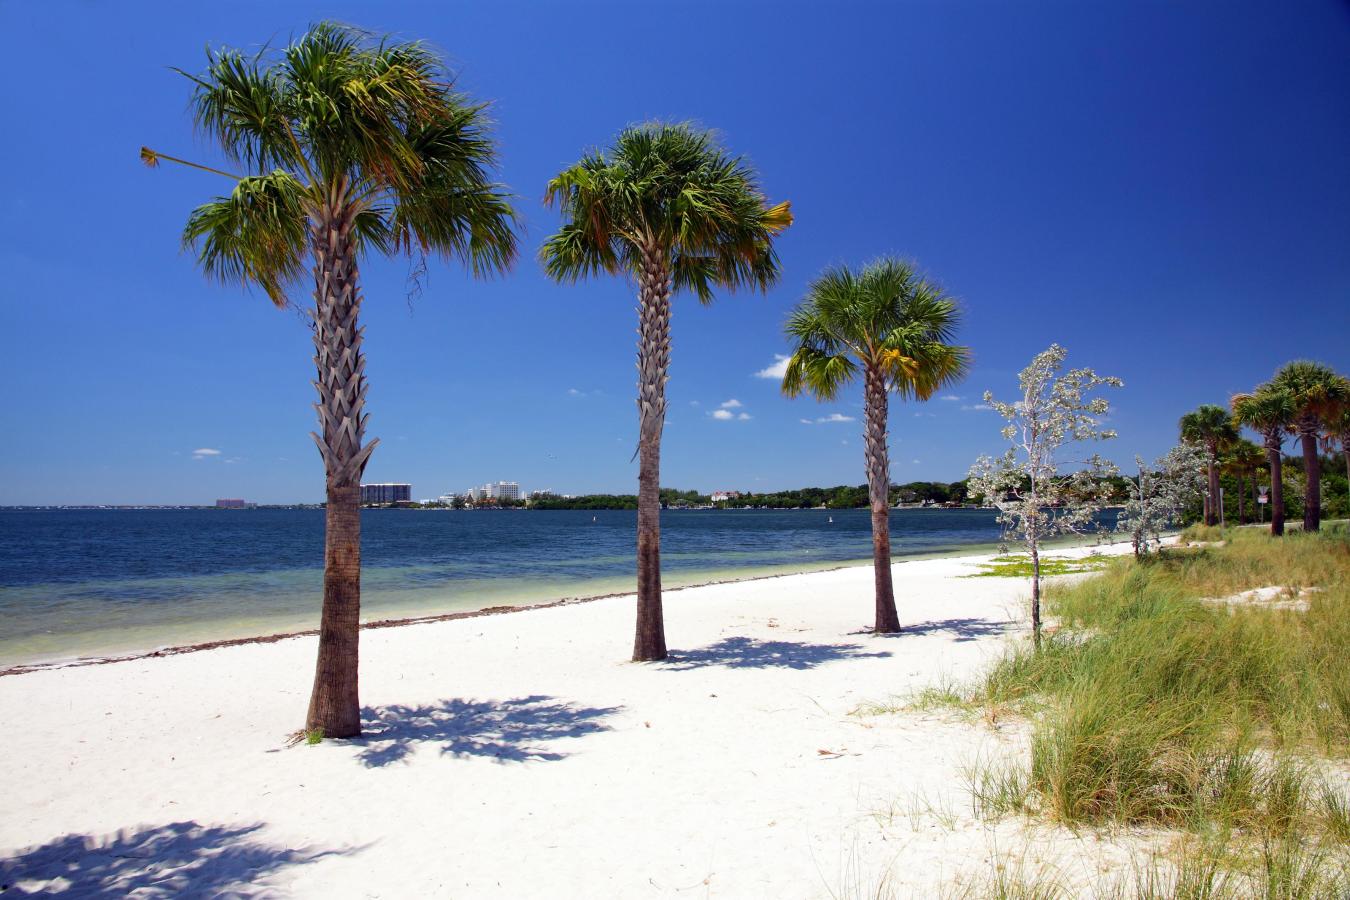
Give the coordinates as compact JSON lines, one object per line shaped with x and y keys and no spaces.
{"x":878,"y":491}
{"x":1211,"y":511}
{"x":1312,"y":472}
{"x":653,"y":371}
{"x":1276,"y":486}
{"x":334,"y":707}
{"x":1256,"y":503}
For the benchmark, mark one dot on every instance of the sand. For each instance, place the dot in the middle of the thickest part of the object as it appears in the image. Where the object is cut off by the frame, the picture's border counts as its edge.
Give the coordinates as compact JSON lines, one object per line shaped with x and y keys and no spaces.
{"x":522,"y":755}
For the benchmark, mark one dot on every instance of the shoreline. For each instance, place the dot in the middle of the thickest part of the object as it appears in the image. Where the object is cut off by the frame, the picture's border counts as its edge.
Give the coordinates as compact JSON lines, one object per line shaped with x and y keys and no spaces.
{"x":970,"y":551}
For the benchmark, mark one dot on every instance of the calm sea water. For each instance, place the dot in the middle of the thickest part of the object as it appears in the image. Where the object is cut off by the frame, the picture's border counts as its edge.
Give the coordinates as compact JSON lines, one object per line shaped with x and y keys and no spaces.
{"x":88,"y":582}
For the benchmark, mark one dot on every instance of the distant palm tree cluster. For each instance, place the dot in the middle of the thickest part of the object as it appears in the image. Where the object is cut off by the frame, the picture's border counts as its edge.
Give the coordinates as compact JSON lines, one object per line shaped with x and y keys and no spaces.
{"x":1305,"y":400}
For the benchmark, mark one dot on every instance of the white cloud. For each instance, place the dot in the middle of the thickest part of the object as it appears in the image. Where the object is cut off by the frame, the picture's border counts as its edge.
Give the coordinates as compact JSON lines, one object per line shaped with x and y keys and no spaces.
{"x":694,"y":403}
{"x":976,"y":406}
{"x":722,"y":414}
{"x":573,"y":392}
{"x":806,"y":422}
{"x":205,"y":453}
{"x":951,"y":398}
{"x":834,"y":417}
{"x":743,"y":416}
{"x":777,"y":370}
{"x":916,"y":462}
{"x":733,"y":403}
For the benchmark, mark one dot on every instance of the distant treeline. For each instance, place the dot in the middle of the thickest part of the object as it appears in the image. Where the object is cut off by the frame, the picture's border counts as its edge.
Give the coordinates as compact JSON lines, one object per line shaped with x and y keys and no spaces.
{"x":841,"y":496}
{"x":838,"y":497}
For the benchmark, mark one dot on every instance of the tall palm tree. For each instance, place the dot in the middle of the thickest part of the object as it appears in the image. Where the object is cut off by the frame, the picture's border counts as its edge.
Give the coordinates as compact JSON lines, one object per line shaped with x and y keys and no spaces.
{"x":1211,"y":427}
{"x":667,"y":206}
{"x":1244,"y":460}
{"x":346,"y":146}
{"x":1318,"y":394}
{"x":1269,"y":411}
{"x":889,"y":324}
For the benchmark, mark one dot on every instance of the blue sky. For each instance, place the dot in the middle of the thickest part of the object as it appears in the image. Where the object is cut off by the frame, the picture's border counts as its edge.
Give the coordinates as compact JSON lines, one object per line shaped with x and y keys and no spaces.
{"x":1163,"y":188}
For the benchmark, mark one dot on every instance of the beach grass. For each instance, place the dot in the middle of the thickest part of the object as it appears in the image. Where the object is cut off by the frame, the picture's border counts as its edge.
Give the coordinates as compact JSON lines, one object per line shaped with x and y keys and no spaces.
{"x":1018,"y":565}
{"x":1151,"y":708}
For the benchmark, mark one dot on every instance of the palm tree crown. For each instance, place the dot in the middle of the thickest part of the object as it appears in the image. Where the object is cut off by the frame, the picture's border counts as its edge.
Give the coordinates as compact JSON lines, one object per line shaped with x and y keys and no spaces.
{"x":666,"y":191}
{"x":1267,"y":410}
{"x":379,"y":123}
{"x":1317,"y":391}
{"x":886,"y":318}
{"x":1208,"y":425}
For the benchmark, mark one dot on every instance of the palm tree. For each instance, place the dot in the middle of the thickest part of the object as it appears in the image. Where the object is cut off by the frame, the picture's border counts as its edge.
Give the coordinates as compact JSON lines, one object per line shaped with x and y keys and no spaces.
{"x":1269,"y":411}
{"x":669,"y":207}
{"x":895,"y":328}
{"x":1244,"y":460}
{"x":1318,"y":394}
{"x":346,"y":146}
{"x":1210,"y":427}
{"x":1337,"y":431}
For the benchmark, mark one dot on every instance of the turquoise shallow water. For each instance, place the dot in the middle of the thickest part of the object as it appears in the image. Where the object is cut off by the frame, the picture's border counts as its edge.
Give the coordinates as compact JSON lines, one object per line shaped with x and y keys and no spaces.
{"x":91,"y":582}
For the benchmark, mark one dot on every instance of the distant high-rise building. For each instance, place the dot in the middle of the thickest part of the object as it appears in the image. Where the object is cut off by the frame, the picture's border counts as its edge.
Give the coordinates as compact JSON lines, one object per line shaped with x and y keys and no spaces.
{"x":232,"y":503}
{"x":386,"y":493}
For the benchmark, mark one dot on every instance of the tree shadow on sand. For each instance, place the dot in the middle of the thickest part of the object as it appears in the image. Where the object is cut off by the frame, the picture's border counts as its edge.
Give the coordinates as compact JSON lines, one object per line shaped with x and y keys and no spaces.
{"x":964,"y":629}
{"x":742,"y":652}
{"x":504,"y":730}
{"x":181,"y":859}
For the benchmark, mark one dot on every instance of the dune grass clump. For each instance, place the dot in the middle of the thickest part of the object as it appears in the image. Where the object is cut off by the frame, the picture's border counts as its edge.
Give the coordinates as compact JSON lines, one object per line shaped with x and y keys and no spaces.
{"x":1152,"y":708}
{"x":1202,"y":534}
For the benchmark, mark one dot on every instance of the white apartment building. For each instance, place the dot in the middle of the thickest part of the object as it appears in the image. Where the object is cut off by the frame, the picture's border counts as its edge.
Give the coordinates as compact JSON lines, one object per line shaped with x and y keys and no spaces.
{"x":502,"y":490}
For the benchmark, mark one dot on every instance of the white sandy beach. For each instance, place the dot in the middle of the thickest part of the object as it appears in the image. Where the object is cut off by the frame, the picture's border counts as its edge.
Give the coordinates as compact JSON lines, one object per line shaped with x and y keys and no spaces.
{"x":522,"y":755}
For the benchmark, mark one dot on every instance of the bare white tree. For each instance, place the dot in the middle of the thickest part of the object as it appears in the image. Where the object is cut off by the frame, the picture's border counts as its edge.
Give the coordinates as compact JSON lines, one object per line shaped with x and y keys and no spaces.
{"x":1034,"y":499}
{"x":1159,"y":495}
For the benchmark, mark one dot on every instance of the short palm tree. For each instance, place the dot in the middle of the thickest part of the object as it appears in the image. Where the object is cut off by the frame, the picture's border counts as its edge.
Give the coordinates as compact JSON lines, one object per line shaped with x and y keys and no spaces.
{"x":1268,"y":411}
{"x":1318,"y":394}
{"x":668,"y":207}
{"x":347,"y":146}
{"x":1337,"y":432}
{"x":1244,"y":460}
{"x":1210,"y":427}
{"x":895,"y":329}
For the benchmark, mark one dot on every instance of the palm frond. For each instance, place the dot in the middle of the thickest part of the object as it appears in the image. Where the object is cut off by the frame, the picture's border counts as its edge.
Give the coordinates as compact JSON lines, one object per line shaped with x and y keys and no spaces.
{"x":254,"y":236}
{"x":821,"y":374}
